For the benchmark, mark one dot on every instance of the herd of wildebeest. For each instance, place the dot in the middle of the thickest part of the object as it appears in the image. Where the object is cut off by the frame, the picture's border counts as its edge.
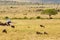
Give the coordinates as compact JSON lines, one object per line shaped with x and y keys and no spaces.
{"x":12,"y":26}
{"x":4,"y":24}
{"x":42,"y":26}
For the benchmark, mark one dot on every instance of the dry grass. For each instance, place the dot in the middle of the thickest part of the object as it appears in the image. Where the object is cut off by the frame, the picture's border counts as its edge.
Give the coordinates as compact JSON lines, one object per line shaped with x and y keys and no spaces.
{"x":26,"y":29}
{"x":24,"y":10}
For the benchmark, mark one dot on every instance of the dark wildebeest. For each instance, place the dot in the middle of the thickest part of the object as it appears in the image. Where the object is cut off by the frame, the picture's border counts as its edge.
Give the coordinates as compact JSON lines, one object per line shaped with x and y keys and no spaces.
{"x":4,"y":31}
{"x":13,"y":26}
{"x":2,"y":24}
{"x":42,"y":26}
{"x":5,"y":24}
{"x":39,"y":33}
{"x":45,"y":33}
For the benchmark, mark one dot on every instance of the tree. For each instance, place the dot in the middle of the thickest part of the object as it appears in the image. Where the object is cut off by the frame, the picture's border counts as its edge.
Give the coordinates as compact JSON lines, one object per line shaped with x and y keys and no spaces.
{"x":50,"y":12}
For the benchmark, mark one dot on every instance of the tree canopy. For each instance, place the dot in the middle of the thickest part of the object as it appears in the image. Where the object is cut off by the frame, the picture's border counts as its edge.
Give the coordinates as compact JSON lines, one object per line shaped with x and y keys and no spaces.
{"x":50,"y":12}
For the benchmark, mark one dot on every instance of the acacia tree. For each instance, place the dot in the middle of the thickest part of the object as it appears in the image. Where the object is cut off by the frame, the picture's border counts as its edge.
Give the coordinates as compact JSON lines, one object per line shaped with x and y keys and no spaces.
{"x":50,"y":12}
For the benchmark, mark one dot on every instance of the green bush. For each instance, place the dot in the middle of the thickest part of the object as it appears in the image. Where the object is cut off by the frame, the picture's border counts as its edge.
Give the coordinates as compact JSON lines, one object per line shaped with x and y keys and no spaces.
{"x":25,"y":17}
{"x":6,"y":17}
{"x":38,"y":17}
{"x":50,"y":12}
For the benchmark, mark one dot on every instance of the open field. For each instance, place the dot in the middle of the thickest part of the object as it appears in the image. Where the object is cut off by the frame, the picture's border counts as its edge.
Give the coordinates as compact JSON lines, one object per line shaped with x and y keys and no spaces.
{"x":25,"y":10}
{"x":26,"y":29}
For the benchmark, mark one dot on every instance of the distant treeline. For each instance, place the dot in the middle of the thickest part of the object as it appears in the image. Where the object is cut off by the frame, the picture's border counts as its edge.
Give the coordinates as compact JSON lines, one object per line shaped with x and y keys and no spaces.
{"x":21,"y":3}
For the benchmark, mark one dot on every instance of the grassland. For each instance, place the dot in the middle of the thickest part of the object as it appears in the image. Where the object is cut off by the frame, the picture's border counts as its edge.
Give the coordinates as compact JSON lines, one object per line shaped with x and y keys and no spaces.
{"x":26,"y":29}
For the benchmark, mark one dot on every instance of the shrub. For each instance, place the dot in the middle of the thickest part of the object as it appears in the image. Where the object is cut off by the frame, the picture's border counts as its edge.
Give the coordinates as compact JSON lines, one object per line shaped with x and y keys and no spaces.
{"x":50,"y":12}
{"x":6,"y":17}
{"x":38,"y":17}
{"x":25,"y":17}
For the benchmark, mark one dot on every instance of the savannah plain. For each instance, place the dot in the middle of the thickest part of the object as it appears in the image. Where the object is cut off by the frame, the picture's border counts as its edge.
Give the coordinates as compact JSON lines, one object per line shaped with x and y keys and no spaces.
{"x":25,"y":29}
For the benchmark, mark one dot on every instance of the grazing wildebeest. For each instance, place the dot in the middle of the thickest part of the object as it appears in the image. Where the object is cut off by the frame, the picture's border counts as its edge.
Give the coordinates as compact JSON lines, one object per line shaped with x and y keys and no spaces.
{"x":2,"y":24}
{"x":4,"y":31}
{"x":12,"y":26}
{"x":5,"y":24}
{"x":39,"y":33}
{"x":42,"y":26}
{"x":45,"y":33}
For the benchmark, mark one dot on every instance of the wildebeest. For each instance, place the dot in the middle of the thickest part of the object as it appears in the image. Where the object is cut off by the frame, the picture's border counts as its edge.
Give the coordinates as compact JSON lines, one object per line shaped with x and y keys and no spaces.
{"x":4,"y":31}
{"x":42,"y":26}
{"x":39,"y":33}
{"x":45,"y":33}
{"x":12,"y":26}
{"x":2,"y":24}
{"x":5,"y":24}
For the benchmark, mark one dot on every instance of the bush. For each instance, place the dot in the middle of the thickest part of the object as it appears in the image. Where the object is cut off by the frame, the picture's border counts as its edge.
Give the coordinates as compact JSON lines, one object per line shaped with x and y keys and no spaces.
{"x":38,"y":17}
{"x":6,"y":17}
{"x":50,"y":12}
{"x":25,"y":17}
